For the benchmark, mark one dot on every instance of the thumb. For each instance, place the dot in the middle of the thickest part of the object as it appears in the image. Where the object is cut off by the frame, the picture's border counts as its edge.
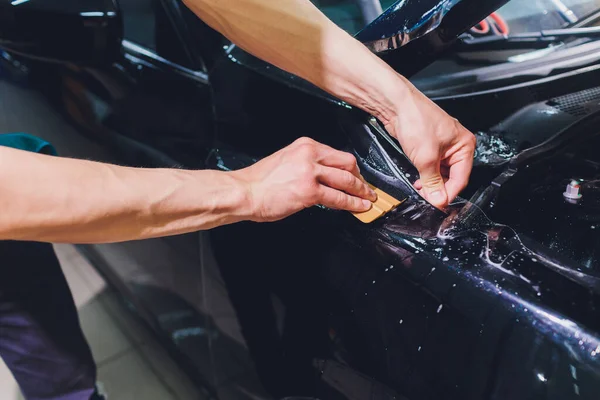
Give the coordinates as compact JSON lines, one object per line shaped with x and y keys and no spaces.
{"x":433,"y":184}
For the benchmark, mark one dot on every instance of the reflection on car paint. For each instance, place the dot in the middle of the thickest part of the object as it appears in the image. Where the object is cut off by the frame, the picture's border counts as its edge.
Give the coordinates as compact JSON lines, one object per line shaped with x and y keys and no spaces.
{"x":404,"y":22}
{"x":224,"y":160}
{"x":569,"y":228}
{"x":491,"y":258}
{"x":549,"y":305}
{"x":552,"y":299}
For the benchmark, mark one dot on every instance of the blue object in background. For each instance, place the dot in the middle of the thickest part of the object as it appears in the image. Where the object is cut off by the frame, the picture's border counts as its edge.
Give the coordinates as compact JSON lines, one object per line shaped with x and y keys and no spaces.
{"x":24,"y":141}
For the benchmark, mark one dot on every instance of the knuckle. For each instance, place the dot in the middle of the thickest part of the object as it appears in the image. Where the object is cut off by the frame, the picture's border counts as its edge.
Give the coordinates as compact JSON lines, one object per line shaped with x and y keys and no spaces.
{"x":341,"y":199}
{"x":431,"y":181}
{"x":458,"y":126}
{"x":304,"y":141}
{"x":348,"y":180}
{"x":349,"y":159}
{"x":354,"y":203}
{"x":307,"y":151}
{"x":366,"y":189}
{"x":427,"y":160}
{"x":306,"y":170}
{"x":472,"y":141}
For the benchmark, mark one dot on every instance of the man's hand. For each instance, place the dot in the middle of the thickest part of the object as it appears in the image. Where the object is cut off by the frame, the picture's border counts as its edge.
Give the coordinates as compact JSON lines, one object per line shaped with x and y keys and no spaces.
{"x":301,"y":175}
{"x":295,"y":36}
{"x":437,"y":144}
{"x":99,"y":203}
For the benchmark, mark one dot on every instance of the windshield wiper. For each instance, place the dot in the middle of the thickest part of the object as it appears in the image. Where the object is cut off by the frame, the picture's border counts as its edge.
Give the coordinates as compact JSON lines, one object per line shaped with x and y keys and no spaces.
{"x":527,"y":40}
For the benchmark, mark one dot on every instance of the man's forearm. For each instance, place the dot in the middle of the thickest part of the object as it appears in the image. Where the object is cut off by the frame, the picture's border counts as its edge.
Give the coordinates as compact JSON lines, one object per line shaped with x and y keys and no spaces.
{"x":295,"y":36}
{"x":54,"y":199}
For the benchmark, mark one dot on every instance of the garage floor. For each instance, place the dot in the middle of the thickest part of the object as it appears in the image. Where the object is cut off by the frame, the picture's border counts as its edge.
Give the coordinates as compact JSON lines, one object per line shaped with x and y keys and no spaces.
{"x":131,"y":365}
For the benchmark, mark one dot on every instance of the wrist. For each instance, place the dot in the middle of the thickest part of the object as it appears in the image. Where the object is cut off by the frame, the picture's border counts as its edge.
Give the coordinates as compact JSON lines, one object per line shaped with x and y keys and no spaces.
{"x":218,"y":198}
{"x":243,"y":204}
{"x":398,"y":91}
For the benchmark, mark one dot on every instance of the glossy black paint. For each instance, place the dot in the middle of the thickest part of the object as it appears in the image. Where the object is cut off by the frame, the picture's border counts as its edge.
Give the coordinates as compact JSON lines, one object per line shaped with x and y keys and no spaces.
{"x":82,"y":32}
{"x":423,"y":29}
{"x":441,"y":306}
{"x":409,"y":20}
{"x":421,"y":304}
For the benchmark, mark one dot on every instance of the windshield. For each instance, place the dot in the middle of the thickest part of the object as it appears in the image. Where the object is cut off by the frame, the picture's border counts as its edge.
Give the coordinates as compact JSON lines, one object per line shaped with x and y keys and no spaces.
{"x":494,"y":42}
{"x":534,"y":15}
{"x":521,"y":15}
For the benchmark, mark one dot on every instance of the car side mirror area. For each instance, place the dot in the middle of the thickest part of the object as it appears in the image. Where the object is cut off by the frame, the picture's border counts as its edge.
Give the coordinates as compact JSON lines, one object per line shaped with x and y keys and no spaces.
{"x":67,"y":31}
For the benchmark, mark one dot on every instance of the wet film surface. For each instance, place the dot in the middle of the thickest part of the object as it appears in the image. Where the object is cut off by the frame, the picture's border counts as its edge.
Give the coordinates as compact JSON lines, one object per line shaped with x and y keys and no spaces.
{"x":530,"y":308}
{"x":454,"y":304}
{"x":403,"y":22}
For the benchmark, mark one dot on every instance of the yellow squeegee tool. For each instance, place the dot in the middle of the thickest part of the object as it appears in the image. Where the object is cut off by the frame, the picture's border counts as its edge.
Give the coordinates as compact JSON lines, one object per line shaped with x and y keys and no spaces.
{"x":384,"y":204}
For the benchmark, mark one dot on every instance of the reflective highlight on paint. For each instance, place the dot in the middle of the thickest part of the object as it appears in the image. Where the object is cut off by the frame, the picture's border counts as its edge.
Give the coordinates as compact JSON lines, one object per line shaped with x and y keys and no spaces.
{"x":403,"y":22}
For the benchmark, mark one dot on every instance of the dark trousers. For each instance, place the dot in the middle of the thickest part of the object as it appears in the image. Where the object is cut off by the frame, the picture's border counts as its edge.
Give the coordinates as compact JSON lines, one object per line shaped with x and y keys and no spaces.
{"x":40,"y":337}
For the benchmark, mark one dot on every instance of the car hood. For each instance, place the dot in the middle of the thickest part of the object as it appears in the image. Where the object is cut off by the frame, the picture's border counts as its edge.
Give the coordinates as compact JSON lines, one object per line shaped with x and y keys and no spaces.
{"x":410,"y":34}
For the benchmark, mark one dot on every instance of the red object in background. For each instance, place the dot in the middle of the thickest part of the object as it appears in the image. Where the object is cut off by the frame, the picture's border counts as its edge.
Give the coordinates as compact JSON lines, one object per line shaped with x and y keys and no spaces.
{"x":494,"y":23}
{"x":482,"y":28}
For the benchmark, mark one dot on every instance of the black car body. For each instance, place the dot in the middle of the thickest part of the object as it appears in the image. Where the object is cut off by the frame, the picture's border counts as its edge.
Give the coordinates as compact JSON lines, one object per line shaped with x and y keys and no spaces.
{"x":496,"y":298}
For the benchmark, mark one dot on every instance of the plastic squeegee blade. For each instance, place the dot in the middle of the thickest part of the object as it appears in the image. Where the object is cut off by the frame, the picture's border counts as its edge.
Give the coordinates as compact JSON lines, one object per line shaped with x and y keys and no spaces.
{"x":384,"y":204}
